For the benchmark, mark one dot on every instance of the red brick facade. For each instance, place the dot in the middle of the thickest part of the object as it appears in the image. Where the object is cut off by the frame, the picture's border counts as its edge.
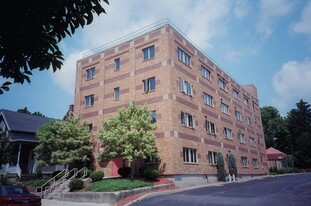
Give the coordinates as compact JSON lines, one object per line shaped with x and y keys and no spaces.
{"x":170,"y":102}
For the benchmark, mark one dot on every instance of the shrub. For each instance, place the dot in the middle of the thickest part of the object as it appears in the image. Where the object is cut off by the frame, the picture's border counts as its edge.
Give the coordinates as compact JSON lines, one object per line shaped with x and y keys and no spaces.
{"x":141,"y":171}
{"x":232,"y":165}
{"x":97,"y":175}
{"x":124,"y":171}
{"x":76,"y":184}
{"x":151,"y":173}
{"x":36,"y":182}
{"x":4,"y":180}
{"x":221,"y":173}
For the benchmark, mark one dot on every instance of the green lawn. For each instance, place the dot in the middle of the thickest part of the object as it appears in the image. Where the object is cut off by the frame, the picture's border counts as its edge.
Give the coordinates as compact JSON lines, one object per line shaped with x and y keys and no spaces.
{"x":111,"y":185}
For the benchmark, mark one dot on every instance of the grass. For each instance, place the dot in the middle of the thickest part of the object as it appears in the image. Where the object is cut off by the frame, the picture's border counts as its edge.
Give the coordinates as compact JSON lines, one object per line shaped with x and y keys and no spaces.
{"x":36,"y":182}
{"x":111,"y":185}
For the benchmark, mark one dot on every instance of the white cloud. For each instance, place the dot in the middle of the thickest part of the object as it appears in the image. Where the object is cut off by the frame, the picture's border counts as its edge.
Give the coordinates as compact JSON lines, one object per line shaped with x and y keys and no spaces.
{"x":65,"y":78}
{"x":304,"y":25}
{"x":270,"y":11}
{"x":291,"y":83}
{"x":241,"y":8}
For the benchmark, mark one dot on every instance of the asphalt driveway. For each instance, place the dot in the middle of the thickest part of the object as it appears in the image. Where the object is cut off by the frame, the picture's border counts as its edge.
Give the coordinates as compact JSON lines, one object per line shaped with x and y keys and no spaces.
{"x":294,"y":189}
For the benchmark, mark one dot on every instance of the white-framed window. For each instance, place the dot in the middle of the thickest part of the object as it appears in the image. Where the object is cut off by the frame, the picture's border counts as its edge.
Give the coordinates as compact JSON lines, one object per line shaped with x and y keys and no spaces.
{"x":248,"y":121}
{"x":117,"y":64}
{"x":183,"y":56}
{"x":185,"y":87}
{"x":190,"y":155}
{"x":244,"y":162}
{"x":238,"y":115}
{"x":151,"y":160}
{"x":210,"y":127}
{"x":90,"y":73}
{"x":149,"y":84}
{"x":235,"y":94}
{"x":153,"y":116}
{"x":222,"y":84}
{"x":187,"y":119}
{"x":89,"y":100}
{"x":252,"y":141}
{"x":116,"y":93}
{"x":255,"y":163}
{"x":228,"y":133}
{"x":208,"y":99}
{"x":241,"y":137}
{"x":224,"y":108}
{"x":148,"y":53}
{"x":212,"y":158}
{"x":205,"y":73}
{"x":246,"y":102}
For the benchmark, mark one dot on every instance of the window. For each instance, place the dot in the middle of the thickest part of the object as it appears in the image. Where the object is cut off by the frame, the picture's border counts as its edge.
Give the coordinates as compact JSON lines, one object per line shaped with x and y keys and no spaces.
{"x":116,"y":93}
{"x":224,"y":108}
{"x":154,"y":116}
{"x":208,"y":99}
{"x":227,"y":133}
{"x":238,"y":115}
{"x":244,"y":162}
{"x":117,"y":64}
{"x":185,"y":87}
{"x":151,"y":160}
{"x":235,"y":94}
{"x":149,"y":84}
{"x":186,"y":119}
{"x":148,"y":53}
{"x":89,"y":101}
{"x":89,"y":127}
{"x":246,"y":102}
{"x":241,"y":137}
{"x":248,"y":121}
{"x":212,"y":158}
{"x":205,"y":73}
{"x":255,"y":163}
{"x":210,"y":127}
{"x":190,"y":155}
{"x":90,"y":73}
{"x":183,"y":56}
{"x":252,"y":142}
{"x":222,"y":84}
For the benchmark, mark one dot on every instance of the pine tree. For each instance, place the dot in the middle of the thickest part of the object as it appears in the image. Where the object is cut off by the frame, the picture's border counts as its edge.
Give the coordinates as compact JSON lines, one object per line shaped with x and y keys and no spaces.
{"x":221,"y":173}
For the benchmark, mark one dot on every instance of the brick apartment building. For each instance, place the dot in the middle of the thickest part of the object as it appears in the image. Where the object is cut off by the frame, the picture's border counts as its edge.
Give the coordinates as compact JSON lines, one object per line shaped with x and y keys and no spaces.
{"x":198,"y":108}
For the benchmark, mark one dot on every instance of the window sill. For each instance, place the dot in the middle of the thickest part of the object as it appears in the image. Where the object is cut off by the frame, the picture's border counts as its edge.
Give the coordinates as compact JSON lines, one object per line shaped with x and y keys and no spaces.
{"x":226,"y":114}
{"x":224,"y":90}
{"x":231,"y":139}
{"x":212,"y":134}
{"x":150,"y":91}
{"x":184,"y":63}
{"x":191,"y":163}
{"x":145,"y":60}
{"x":210,"y":80}
{"x":86,"y":107}
{"x":90,"y":79}
{"x":211,"y":106}
{"x":242,"y":142}
{"x":188,"y":127}
{"x":213,"y":165}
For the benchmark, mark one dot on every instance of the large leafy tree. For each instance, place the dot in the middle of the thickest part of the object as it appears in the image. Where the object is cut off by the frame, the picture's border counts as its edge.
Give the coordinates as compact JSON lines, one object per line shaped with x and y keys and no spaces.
{"x":128,"y":135}
{"x":275,"y":129}
{"x":5,"y":149}
{"x":31,"y":30}
{"x":63,"y":142}
{"x":299,"y":126}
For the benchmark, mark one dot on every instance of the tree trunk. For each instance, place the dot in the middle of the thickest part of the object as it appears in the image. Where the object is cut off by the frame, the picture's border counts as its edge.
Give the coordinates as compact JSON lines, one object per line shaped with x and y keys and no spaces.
{"x":132,"y":169}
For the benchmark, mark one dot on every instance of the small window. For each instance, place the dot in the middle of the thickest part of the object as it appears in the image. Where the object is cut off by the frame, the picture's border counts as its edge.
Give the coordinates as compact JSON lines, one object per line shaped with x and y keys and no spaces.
{"x":227,"y":133}
{"x":255,"y":163}
{"x":224,"y":108}
{"x":116,"y":93}
{"x":190,"y":155}
{"x":148,"y":53}
{"x":238,"y":115}
{"x":154,"y":116}
{"x":210,"y":127}
{"x":90,"y":73}
{"x":183,"y":56}
{"x":246,"y":102}
{"x":208,"y":99}
{"x":212,"y":158}
{"x":241,"y":137}
{"x":117,"y":64}
{"x":205,"y":73}
{"x":151,"y":160}
{"x":248,"y":121}
{"x":89,"y":101}
{"x":222,"y":84}
{"x":89,"y":127}
{"x":186,"y":119}
{"x":244,"y":162}
{"x":185,"y":87}
{"x":149,"y":84}
{"x":252,"y":142}
{"x":235,"y":94}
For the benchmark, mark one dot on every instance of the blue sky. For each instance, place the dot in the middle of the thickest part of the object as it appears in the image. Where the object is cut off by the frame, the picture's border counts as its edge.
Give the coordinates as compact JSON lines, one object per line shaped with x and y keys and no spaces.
{"x":266,"y":43}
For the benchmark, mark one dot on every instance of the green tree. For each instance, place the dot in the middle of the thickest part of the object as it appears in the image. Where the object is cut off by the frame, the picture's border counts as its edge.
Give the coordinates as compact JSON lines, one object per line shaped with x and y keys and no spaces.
{"x":232,"y":165}
{"x":221,"y":173}
{"x":63,"y":142}
{"x":128,"y":135}
{"x":30,"y":34}
{"x":25,"y":110}
{"x":275,"y":129}
{"x":5,"y":149}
